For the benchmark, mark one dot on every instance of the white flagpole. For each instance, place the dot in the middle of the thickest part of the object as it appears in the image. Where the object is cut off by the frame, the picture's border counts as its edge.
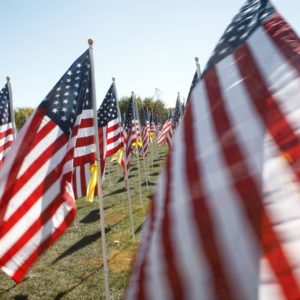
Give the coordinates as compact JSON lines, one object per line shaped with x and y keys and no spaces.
{"x":99,"y":187}
{"x":126,"y":174}
{"x":108,"y":171}
{"x":198,"y":67}
{"x":11,"y":107}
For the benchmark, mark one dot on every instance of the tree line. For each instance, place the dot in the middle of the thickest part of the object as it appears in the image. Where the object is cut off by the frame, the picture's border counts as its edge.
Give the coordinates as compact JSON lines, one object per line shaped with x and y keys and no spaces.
{"x":157,"y":107}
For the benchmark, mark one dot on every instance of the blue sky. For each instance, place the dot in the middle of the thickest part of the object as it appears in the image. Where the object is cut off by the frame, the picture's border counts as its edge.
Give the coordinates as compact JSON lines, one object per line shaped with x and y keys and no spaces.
{"x":144,"y":44}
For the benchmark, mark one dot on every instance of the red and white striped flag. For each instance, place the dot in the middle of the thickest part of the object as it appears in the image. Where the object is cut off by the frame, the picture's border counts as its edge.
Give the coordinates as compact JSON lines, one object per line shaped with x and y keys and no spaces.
{"x":225,"y":220}
{"x":110,"y":141}
{"x":6,"y":123}
{"x":161,"y":138}
{"x":129,"y":138}
{"x":145,"y":129}
{"x":36,"y":196}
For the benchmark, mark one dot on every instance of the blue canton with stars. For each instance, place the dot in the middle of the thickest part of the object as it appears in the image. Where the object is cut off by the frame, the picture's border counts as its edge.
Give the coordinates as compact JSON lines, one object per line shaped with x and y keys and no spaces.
{"x":143,"y":117}
{"x":71,"y":95}
{"x":5,"y":116}
{"x":177,"y":112}
{"x":251,"y":15}
{"x":194,"y":81}
{"x":108,"y":110}
{"x":129,"y":116}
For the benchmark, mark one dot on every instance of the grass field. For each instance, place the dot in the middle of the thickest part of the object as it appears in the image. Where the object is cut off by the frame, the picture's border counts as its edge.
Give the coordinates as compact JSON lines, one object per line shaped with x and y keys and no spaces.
{"x":72,"y":267}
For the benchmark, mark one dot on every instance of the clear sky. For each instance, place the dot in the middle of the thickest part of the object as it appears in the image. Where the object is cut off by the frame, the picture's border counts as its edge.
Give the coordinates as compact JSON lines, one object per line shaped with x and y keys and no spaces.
{"x":145,"y":44}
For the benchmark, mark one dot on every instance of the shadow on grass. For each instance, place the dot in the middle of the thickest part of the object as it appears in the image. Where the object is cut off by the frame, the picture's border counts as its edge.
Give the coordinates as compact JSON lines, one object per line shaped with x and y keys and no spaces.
{"x":139,"y":229}
{"x":149,"y":183}
{"x":156,"y":165}
{"x":134,"y":169}
{"x":154,"y":174}
{"x":119,"y":191}
{"x":85,"y":241}
{"x":93,"y":215}
{"x":21,"y":297}
{"x":60,"y":295}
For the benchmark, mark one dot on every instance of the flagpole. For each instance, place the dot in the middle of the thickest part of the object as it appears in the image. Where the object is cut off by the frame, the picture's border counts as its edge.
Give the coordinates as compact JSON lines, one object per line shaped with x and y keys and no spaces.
{"x":11,"y":107}
{"x":137,"y":152}
{"x":198,"y":68}
{"x":99,"y":187}
{"x":125,"y":168}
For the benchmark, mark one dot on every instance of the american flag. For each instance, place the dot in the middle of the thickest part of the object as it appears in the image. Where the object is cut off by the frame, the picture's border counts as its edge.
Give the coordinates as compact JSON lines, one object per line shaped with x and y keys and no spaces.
{"x":145,"y":124}
{"x":168,"y":125}
{"x":81,"y":179}
{"x":225,"y":219}
{"x":167,"y":132}
{"x":153,"y":127}
{"x":6,"y":126}
{"x":36,"y":196}
{"x":175,"y":121}
{"x":130,"y":137}
{"x":110,"y":141}
{"x":194,"y":82}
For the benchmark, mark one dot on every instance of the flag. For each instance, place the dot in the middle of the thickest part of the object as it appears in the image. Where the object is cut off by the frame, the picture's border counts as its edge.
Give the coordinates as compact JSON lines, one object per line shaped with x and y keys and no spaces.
{"x":153,"y":128}
{"x":6,"y":126}
{"x":167,"y":132}
{"x":81,"y":179}
{"x":130,"y":137}
{"x":194,"y":81}
{"x":225,"y":219}
{"x":92,"y":183}
{"x":110,"y":127}
{"x":145,"y":124}
{"x":36,"y":196}
{"x":161,"y":138}
{"x":110,"y":141}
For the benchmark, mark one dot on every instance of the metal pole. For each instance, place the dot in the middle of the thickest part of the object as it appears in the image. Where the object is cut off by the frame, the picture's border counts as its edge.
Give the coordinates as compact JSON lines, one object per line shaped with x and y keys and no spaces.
{"x":99,"y":187}
{"x":198,"y":68}
{"x":137,"y":152}
{"x":125,"y":168}
{"x":11,"y":107}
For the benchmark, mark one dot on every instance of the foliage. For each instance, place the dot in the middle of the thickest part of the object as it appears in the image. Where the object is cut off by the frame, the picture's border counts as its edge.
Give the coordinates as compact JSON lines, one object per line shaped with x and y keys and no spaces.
{"x":157,"y":107}
{"x":21,"y":115}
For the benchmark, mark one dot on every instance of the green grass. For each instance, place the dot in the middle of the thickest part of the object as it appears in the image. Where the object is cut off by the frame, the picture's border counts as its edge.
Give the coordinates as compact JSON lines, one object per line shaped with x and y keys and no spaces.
{"x":72,"y":267}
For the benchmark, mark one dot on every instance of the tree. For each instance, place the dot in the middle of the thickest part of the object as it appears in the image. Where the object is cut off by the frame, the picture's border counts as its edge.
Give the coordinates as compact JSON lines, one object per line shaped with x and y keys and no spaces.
{"x":21,"y":115}
{"x":157,"y":107}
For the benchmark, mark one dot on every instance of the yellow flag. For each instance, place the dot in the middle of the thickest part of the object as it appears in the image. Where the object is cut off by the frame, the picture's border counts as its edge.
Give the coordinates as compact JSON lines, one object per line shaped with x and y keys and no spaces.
{"x":138,"y":142}
{"x":93,"y":182}
{"x":118,"y":156}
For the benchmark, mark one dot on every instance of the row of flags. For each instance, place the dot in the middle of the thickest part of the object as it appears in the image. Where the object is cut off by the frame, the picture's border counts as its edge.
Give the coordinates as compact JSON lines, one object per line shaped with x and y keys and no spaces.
{"x":48,"y":165}
{"x":225,"y":219}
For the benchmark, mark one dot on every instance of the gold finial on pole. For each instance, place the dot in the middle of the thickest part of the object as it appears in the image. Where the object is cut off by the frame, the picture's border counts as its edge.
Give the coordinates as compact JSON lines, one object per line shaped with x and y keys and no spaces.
{"x":90,"y":42}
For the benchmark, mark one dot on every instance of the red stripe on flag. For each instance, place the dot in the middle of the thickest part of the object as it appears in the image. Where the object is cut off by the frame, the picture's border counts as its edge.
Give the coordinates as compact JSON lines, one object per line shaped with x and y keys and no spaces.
{"x":85,"y":141}
{"x":23,"y":269}
{"x":202,"y":214}
{"x":246,"y":187}
{"x":270,"y":112}
{"x":38,"y":192}
{"x":5,"y":133}
{"x":285,"y":38}
{"x":173,"y":274}
{"x":28,"y":143}
{"x":141,"y":278}
{"x":41,"y":220}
